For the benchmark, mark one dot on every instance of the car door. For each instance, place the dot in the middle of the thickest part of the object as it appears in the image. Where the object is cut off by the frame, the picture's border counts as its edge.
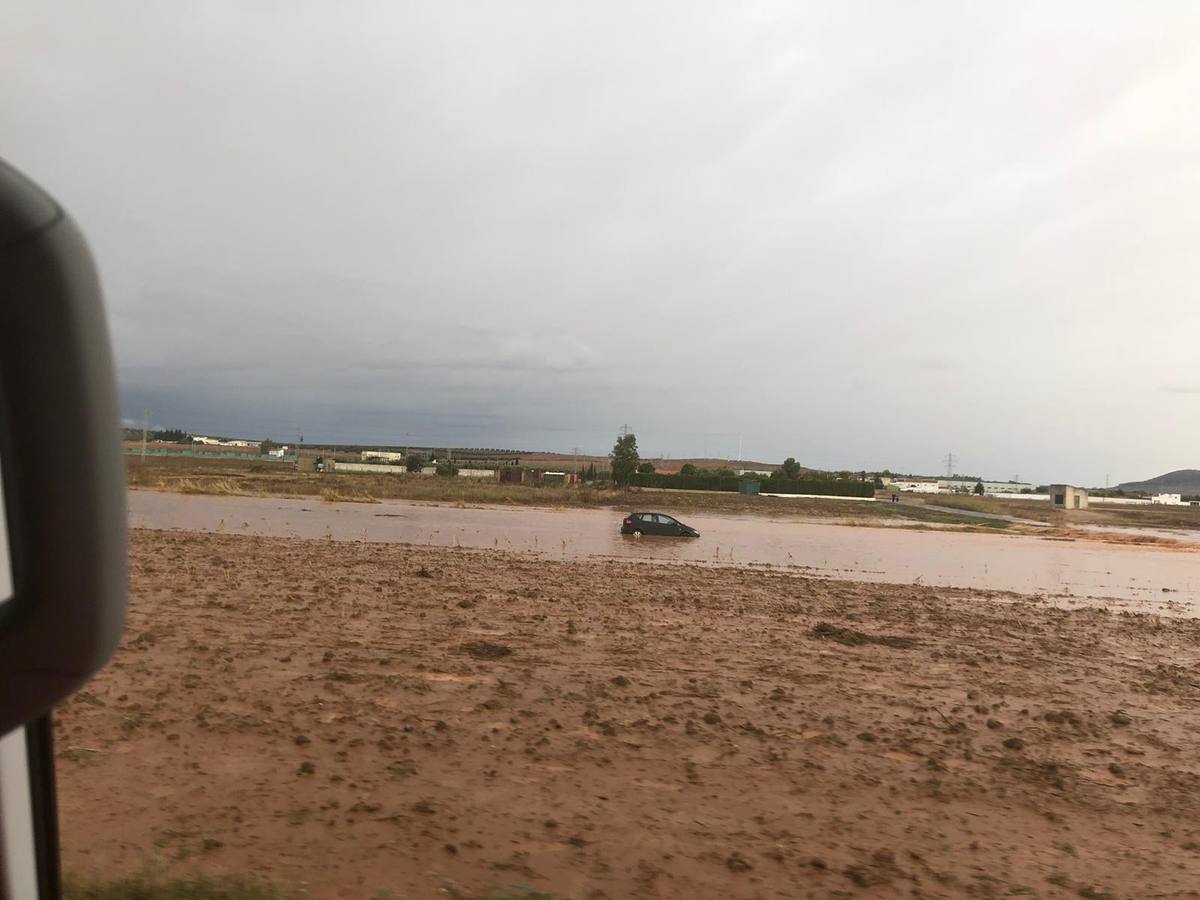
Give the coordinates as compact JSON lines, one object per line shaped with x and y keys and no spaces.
{"x":668,"y":526}
{"x":645,"y":523}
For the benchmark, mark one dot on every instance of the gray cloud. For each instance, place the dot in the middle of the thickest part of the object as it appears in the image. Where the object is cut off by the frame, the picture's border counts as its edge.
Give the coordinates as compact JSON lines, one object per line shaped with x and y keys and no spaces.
{"x":862,"y":235}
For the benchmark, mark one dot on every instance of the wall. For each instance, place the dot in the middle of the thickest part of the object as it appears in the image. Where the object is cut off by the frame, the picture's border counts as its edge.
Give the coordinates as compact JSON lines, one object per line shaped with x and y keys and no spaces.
{"x":369,"y":467}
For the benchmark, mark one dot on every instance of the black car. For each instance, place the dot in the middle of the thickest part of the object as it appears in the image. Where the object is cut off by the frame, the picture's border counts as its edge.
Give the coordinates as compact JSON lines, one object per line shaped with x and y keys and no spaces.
{"x":656,"y":523}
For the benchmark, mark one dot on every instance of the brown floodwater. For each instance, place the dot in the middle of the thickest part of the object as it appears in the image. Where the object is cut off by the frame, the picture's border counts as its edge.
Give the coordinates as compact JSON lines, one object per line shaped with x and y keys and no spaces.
{"x":1129,"y":577}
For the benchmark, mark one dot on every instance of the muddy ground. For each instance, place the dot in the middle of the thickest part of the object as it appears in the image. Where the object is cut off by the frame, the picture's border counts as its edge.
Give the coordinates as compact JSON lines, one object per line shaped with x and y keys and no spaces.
{"x":434,"y":722}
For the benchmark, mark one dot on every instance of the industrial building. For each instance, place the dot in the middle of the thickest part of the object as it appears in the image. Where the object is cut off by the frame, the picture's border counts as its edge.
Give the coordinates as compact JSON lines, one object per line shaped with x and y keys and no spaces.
{"x":916,"y":486}
{"x":956,"y":485}
{"x":1167,"y":500}
{"x":218,"y":442}
{"x":384,"y":456}
{"x":967,"y":485}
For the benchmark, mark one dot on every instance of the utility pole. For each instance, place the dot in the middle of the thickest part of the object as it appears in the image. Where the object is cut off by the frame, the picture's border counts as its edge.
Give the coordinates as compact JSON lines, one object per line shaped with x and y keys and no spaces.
{"x":624,"y":431}
{"x":145,"y":428}
{"x":739,"y":448}
{"x":949,"y":460}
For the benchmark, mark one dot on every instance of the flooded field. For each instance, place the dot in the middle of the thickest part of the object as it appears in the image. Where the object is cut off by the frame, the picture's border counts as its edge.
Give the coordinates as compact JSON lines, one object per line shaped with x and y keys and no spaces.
{"x":1136,"y":578}
{"x":372,"y":721}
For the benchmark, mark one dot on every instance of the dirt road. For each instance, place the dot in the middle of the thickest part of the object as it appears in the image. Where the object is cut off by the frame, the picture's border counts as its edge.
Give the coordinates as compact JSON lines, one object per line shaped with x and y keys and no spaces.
{"x":357,"y":719}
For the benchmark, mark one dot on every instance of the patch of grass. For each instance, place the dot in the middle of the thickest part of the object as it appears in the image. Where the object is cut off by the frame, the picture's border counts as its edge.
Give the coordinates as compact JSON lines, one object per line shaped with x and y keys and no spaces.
{"x":827,"y":632}
{"x":995,"y":523}
{"x":153,"y":884}
{"x":206,"y":486}
{"x":341,"y":495}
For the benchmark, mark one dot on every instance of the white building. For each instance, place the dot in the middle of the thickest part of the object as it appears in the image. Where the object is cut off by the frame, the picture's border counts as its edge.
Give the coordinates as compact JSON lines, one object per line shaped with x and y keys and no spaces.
{"x":386,"y":455}
{"x":765,"y":473}
{"x":916,"y":487}
{"x":967,"y":486}
{"x":1167,"y":499}
{"x":217,"y":442}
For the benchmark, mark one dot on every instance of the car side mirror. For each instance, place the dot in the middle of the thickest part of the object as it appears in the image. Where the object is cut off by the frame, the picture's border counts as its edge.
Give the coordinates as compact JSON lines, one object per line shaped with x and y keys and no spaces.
{"x":63,"y":565}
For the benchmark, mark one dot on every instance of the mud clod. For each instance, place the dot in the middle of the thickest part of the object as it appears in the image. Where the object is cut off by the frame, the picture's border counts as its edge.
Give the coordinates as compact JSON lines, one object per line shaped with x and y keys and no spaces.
{"x":735,"y":862}
{"x":851,"y":638}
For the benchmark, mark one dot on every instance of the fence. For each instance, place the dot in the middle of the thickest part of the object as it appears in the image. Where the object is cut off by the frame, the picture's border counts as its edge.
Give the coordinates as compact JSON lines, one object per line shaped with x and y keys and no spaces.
{"x":206,"y":454}
{"x":821,"y":487}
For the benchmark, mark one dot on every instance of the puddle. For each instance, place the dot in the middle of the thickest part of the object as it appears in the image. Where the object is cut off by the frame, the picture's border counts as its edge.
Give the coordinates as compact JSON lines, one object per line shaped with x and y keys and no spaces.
{"x":1138,"y":578}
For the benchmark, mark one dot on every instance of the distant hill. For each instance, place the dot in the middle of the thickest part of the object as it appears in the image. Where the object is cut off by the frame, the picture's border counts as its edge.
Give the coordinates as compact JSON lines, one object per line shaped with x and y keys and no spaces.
{"x":1182,"y":481}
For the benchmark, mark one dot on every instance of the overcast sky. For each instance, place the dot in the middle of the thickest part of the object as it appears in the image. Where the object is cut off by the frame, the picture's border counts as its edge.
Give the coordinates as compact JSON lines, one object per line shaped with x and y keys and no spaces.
{"x":863,"y":235}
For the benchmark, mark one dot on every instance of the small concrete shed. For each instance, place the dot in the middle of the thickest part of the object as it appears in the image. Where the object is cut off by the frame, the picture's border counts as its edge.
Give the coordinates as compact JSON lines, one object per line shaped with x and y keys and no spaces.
{"x":1064,"y":496}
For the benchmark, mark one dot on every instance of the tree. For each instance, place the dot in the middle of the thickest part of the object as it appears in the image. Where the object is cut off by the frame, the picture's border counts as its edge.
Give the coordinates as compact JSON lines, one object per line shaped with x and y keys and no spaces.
{"x":267,"y":446}
{"x":687,"y":469}
{"x":447,"y":469}
{"x":790,"y":468}
{"x":979,"y":488}
{"x":624,"y":458}
{"x":646,"y":468}
{"x":414,"y":463}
